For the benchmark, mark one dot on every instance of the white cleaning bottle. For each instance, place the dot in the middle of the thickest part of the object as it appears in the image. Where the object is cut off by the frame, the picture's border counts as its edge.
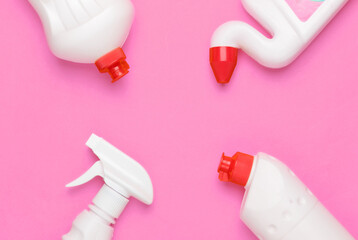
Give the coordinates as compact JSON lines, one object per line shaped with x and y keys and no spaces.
{"x":290,"y":35}
{"x":277,"y":205}
{"x":123,"y":178}
{"x":88,"y":31}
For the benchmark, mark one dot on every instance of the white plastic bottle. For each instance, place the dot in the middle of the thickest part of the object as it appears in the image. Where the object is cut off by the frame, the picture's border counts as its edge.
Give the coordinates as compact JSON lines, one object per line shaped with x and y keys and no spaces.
{"x":290,"y":35}
{"x":123,"y":178}
{"x":88,"y":31}
{"x":277,"y":205}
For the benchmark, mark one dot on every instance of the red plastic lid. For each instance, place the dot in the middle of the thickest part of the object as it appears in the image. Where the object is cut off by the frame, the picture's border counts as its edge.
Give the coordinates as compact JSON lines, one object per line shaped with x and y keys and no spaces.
{"x":236,"y":169}
{"x":223,"y":62}
{"x":114,"y":63}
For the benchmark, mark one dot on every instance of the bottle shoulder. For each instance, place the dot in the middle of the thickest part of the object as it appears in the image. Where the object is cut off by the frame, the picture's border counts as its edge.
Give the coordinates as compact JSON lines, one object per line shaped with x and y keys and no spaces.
{"x":275,"y":199}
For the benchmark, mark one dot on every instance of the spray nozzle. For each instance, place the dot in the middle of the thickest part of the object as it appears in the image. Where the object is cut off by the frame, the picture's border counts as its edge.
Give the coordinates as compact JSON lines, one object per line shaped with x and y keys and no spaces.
{"x":123,"y":178}
{"x":119,"y":171}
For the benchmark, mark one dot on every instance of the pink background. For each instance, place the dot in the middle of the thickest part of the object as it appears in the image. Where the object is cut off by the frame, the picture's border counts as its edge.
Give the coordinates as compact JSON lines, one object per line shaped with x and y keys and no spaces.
{"x":171,"y":116}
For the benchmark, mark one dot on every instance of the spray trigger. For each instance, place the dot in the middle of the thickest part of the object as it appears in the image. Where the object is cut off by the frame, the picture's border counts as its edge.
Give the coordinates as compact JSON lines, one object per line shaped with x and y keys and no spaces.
{"x":94,"y":171}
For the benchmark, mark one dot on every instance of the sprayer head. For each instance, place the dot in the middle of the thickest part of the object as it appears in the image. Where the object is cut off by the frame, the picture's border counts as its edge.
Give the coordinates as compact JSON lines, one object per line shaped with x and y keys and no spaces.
{"x":236,"y":169}
{"x":120,"y":172}
{"x":223,"y":62}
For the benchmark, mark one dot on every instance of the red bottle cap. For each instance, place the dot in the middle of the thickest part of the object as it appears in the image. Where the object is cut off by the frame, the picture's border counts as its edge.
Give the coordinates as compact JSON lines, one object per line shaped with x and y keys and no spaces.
{"x":114,"y":63}
{"x":236,"y":169}
{"x":223,"y":62}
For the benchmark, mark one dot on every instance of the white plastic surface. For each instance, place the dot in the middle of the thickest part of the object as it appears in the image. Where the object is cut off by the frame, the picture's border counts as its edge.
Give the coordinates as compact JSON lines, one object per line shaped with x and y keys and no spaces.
{"x":109,"y":202}
{"x":327,"y":227}
{"x":89,"y":226}
{"x":96,"y":224}
{"x":121,"y":172}
{"x":84,"y":30}
{"x":124,"y":177}
{"x":278,"y":206}
{"x":290,"y":35}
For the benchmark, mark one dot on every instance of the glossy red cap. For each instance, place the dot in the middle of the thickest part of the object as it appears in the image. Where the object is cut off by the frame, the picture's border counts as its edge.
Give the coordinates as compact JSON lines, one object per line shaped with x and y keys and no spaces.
{"x":223,"y":62}
{"x":236,"y":169}
{"x":114,"y":63}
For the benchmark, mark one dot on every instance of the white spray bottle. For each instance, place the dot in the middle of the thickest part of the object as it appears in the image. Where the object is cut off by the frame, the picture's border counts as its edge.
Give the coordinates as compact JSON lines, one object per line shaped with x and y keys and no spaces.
{"x":290,"y":35}
{"x":277,"y":205}
{"x":88,"y":31}
{"x":123,"y":178}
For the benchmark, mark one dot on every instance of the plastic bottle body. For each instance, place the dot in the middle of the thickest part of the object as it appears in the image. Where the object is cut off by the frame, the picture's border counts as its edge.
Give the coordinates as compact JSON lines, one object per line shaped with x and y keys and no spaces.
{"x":88,"y":31}
{"x":85,"y":32}
{"x":123,"y":177}
{"x":290,"y":35}
{"x":89,"y":226}
{"x":96,"y":223}
{"x":278,"y":206}
{"x":319,"y":224}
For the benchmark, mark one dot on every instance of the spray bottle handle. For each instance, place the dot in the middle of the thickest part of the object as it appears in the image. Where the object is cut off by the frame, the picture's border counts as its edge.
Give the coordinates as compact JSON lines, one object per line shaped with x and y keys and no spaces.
{"x":94,"y":171}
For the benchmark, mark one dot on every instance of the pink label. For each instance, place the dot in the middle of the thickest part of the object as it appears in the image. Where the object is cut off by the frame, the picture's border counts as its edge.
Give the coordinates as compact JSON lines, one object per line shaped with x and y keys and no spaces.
{"x":304,"y":8}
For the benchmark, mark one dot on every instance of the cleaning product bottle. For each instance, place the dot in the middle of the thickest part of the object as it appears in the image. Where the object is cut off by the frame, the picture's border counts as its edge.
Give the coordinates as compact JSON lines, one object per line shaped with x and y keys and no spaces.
{"x":291,"y":33}
{"x":123,"y":178}
{"x":88,"y":31}
{"x":277,"y":205}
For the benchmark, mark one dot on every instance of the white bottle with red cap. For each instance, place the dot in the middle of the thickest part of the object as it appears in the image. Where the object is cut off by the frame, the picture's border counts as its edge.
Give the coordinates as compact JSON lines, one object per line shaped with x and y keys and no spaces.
{"x":277,"y":205}
{"x":88,"y":31}
{"x":290,"y":35}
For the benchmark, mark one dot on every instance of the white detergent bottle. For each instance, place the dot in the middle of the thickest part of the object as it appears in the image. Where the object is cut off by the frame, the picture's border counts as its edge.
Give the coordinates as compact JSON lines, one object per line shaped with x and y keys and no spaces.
{"x":123,"y":178}
{"x":291,"y":33}
{"x":277,"y":205}
{"x":88,"y":31}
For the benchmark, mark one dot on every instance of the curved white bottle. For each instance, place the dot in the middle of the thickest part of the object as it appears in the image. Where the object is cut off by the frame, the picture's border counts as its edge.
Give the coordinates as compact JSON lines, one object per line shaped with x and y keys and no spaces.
{"x":123,"y":178}
{"x":290,"y":35}
{"x":277,"y":205}
{"x":88,"y":31}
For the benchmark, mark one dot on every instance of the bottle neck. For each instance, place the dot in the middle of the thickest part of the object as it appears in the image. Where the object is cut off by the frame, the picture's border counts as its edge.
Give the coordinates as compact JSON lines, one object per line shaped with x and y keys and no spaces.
{"x":108,"y":204}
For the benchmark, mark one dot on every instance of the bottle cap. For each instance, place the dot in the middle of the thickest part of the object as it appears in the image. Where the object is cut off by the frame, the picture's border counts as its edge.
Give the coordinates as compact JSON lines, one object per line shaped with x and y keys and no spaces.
{"x":223,"y":62}
{"x":236,"y":169}
{"x":110,"y":202}
{"x":114,"y":63}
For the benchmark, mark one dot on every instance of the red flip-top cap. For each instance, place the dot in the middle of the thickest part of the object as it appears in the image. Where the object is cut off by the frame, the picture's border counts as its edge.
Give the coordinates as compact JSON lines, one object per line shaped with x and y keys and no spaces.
{"x":114,"y":63}
{"x":223,"y":62}
{"x":236,"y":169}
